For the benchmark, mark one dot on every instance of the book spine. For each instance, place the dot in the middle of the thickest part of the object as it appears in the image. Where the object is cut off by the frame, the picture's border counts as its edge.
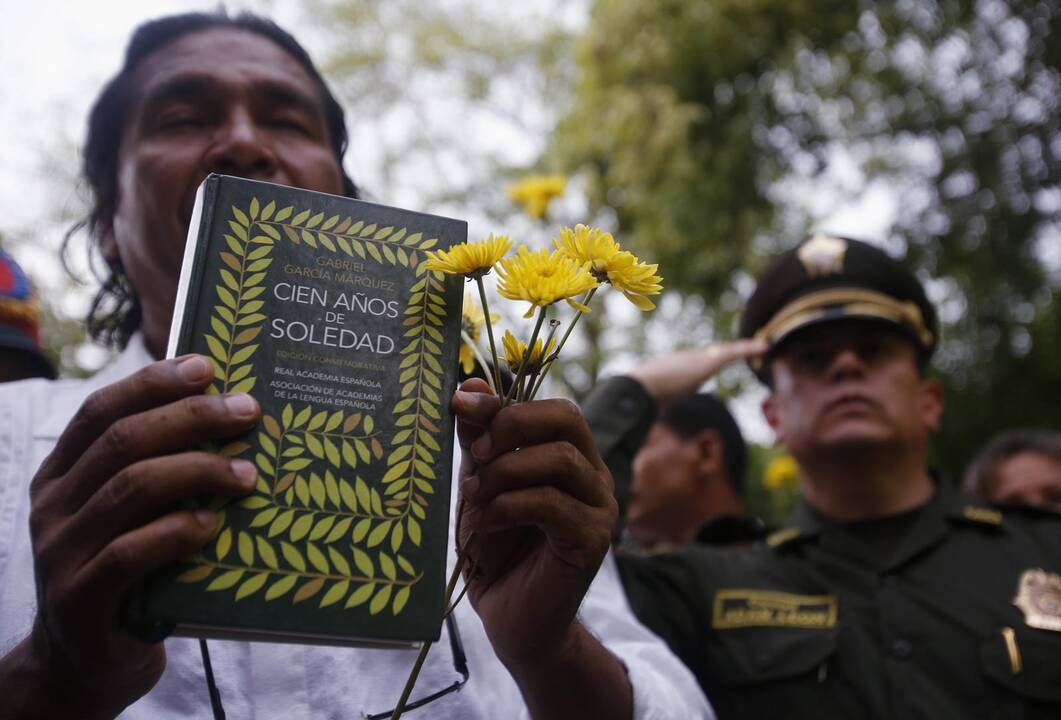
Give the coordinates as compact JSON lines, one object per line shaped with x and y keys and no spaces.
{"x":185,"y":307}
{"x":189,"y":288}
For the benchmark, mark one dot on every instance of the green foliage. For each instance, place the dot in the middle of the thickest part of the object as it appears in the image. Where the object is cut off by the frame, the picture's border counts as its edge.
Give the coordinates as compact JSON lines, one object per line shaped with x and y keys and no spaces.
{"x":668,"y":119}
{"x":698,"y":123}
{"x":773,"y":505}
{"x":438,"y":91}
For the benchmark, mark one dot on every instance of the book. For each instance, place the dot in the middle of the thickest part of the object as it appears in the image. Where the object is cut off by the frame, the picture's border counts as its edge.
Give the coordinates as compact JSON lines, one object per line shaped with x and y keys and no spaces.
{"x":320,"y":307}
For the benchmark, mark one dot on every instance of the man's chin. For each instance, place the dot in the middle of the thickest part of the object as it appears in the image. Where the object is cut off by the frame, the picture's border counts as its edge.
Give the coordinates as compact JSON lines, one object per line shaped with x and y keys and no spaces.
{"x":856,"y":436}
{"x":641,"y":531}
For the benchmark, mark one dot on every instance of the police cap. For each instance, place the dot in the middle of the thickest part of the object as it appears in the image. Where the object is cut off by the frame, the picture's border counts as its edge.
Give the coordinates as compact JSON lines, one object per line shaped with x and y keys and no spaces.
{"x":827,"y":278}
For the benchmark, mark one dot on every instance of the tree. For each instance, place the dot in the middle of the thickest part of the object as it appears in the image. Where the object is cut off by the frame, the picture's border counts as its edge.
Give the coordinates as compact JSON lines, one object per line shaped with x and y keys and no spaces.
{"x":449,"y":103}
{"x":446,"y":101}
{"x":705,"y":127}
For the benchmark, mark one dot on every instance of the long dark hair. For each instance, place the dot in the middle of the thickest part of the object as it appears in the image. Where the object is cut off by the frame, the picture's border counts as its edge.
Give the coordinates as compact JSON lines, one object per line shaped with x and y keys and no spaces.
{"x":115,"y":313}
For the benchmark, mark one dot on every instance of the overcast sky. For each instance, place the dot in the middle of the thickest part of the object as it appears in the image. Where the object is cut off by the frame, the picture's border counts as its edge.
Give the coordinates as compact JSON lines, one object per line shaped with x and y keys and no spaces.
{"x":55,"y":56}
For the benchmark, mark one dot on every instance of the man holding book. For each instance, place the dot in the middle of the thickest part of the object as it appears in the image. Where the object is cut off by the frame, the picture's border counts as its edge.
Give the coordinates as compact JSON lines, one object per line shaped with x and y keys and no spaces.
{"x":111,"y":464}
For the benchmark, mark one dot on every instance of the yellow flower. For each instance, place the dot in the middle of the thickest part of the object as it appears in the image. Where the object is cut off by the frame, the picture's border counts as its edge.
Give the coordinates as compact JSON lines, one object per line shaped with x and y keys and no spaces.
{"x":472,"y":321}
{"x":535,"y":193}
{"x":515,"y":349}
{"x":611,"y":264}
{"x":781,"y":472}
{"x":470,"y":259}
{"x":541,"y":278}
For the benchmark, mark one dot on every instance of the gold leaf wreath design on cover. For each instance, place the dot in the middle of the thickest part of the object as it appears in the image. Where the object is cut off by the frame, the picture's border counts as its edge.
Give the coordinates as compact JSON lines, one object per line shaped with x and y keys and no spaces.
{"x":318,"y":527}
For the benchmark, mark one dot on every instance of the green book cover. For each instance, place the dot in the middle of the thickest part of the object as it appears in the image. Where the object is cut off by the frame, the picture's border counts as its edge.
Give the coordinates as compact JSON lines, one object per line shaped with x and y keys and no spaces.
{"x":322,"y":308}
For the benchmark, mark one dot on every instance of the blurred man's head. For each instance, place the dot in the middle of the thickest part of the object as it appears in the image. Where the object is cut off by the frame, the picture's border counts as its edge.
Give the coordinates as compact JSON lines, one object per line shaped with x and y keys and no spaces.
{"x":197,"y":93}
{"x":1019,"y":467}
{"x":850,"y":332}
{"x":689,"y":470}
{"x":21,"y":356}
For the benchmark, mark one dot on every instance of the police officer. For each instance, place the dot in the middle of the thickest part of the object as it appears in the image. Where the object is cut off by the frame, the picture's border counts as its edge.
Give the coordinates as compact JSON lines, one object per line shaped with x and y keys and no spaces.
{"x":886,"y":595}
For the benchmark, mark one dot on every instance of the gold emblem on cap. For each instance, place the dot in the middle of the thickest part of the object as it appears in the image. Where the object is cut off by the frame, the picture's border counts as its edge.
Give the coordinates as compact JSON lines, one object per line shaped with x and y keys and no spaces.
{"x":1039,"y":598}
{"x":822,"y":255}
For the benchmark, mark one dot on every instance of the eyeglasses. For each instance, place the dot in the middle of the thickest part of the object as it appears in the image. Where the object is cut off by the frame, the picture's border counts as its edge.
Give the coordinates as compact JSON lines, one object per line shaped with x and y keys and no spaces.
{"x":814,"y":350}
{"x":460,"y":666}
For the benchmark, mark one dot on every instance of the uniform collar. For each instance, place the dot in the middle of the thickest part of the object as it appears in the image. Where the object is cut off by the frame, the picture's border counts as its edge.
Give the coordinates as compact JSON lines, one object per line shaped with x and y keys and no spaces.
{"x":934,"y":521}
{"x":804,"y":524}
{"x":731,"y":530}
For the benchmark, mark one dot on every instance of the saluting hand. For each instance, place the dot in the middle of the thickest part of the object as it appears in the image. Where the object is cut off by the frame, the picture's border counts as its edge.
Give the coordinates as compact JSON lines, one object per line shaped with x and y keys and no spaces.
{"x":675,"y":375}
{"x":104,"y":515}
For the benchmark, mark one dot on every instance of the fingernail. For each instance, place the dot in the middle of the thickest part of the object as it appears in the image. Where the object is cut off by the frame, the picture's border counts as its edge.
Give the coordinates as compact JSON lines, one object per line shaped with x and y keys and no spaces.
{"x":193,"y":369}
{"x":470,"y":487}
{"x":245,"y":472}
{"x":241,"y":405}
{"x":206,"y":518}
{"x":481,"y":448}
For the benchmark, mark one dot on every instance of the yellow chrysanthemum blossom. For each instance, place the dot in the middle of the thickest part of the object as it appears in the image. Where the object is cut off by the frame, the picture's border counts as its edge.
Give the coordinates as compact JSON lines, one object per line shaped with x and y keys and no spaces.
{"x":611,"y":264}
{"x":781,"y":472}
{"x":469,"y":259}
{"x":541,"y":278}
{"x":472,"y":321}
{"x":515,"y":349}
{"x":535,"y":193}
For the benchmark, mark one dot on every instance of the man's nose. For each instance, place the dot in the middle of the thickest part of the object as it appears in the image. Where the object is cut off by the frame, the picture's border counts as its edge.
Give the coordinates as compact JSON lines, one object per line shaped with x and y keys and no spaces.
{"x":846,"y":364}
{"x":240,"y":147}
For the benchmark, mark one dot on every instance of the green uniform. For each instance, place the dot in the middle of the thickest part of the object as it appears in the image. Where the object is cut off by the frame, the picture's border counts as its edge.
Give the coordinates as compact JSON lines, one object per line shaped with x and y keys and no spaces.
{"x":911,"y":617}
{"x":620,"y":414}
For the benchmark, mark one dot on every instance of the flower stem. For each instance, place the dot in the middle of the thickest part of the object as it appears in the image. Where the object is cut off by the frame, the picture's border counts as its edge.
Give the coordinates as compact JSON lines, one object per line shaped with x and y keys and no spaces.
{"x":552,"y":358}
{"x":400,"y":707}
{"x":471,"y":575}
{"x":462,"y":558}
{"x":490,"y":334}
{"x":526,"y":356}
{"x":532,"y":381}
{"x":480,"y":359}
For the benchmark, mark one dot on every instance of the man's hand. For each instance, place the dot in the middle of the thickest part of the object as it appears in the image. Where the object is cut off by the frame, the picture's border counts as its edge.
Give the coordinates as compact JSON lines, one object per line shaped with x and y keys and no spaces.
{"x":669,"y":377}
{"x":538,"y":500}
{"x":104,"y":515}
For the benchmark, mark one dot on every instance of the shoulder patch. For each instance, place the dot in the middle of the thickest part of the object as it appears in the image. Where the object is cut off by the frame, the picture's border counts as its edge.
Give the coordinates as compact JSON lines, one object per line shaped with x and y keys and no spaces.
{"x":744,"y":607}
{"x":987,"y":516}
{"x":782,"y":536}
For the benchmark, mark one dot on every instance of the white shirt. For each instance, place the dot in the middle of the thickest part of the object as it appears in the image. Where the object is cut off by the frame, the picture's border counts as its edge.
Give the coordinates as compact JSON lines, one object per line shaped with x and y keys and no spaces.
{"x":261,"y":681}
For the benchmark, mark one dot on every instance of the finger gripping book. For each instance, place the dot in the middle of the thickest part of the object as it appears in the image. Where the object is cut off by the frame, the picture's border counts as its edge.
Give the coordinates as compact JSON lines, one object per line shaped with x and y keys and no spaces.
{"x":321,"y":307}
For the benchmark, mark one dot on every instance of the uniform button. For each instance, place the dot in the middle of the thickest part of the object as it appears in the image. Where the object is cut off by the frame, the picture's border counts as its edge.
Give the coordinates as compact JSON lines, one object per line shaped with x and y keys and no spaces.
{"x":901,"y":649}
{"x":627,"y":404}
